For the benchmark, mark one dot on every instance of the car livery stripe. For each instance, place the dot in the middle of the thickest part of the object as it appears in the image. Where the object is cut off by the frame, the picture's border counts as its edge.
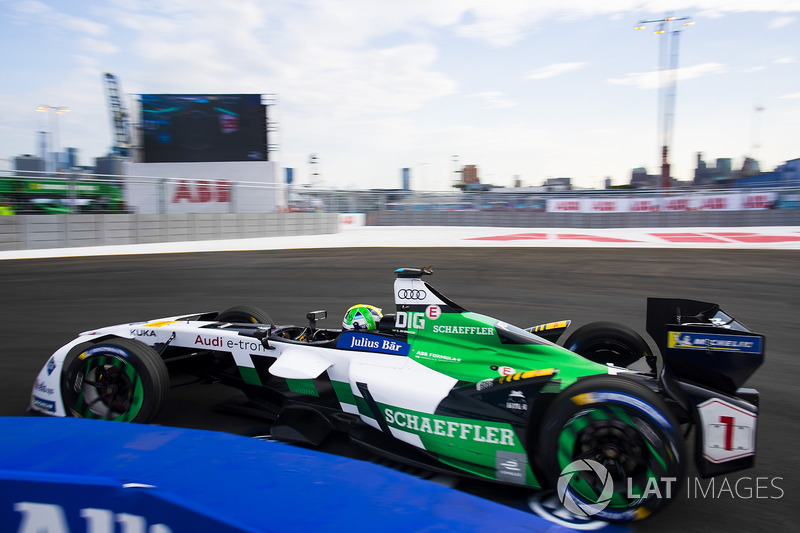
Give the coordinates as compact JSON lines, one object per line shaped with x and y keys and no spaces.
{"x":250,"y":376}
{"x":528,"y":375}
{"x":343,"y":392}
{"x":550,"y":325}
{"x":158,"y":324}
{"x":303,"y":386}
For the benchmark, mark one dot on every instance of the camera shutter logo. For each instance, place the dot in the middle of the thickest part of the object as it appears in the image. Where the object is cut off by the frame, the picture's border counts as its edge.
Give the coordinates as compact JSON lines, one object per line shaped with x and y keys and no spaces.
{"x":571,"y":503}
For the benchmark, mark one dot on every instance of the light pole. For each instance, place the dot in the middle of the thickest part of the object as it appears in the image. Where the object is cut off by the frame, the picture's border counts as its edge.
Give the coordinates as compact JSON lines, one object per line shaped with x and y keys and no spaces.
{"x":56,"y":110}
{"x":313,"y":161}
{"x":457,"y":178}
{"x":668,"y":65}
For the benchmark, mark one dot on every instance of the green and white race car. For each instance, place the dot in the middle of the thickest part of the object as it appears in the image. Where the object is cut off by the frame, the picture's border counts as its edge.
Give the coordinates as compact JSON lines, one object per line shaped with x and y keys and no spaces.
{"x":441,"y":387}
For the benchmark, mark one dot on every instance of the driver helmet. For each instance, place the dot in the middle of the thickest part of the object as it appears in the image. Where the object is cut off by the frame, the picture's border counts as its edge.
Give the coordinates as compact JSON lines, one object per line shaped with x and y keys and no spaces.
{"x":361,"y":317}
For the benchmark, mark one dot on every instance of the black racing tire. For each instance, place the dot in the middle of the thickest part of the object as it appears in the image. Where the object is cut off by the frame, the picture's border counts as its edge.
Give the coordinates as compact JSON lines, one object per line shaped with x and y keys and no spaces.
{"x":607,"y":342}
{"x":244,"y":314}
{"x":116,"y":379}
{"x":612,"y":449}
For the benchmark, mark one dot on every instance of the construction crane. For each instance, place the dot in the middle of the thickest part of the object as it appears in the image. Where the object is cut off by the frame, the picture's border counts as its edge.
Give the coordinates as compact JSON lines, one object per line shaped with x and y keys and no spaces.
{"x":119,"y":117}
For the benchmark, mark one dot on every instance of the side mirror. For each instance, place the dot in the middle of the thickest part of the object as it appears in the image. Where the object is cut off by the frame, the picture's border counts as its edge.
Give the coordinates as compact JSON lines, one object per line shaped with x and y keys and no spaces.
{"x":313,"y":316}
{"x":262,"y":334}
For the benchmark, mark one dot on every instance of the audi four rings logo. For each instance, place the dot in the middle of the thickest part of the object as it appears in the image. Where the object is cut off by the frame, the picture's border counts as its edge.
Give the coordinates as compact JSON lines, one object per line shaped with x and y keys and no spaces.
{"x":412,"y":294}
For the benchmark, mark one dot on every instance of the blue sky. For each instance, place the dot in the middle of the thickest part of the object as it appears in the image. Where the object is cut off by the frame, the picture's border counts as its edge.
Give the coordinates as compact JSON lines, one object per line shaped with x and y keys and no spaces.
{"x":522,"y":89}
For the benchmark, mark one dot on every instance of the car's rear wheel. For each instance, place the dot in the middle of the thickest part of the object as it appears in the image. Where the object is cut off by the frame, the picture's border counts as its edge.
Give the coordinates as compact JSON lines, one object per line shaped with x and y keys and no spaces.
{"x":244,"y":314}
{"x":607,"y":342}
{"x":116,"y":379}
{"x":612,"y":449}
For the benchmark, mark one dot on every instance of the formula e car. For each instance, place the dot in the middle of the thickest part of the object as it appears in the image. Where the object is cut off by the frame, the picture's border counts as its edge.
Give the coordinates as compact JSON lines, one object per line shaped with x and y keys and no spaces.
{"x":441,"y":387}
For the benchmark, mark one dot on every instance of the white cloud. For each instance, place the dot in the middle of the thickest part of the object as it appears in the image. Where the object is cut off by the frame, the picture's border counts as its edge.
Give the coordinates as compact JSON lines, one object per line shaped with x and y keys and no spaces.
{"x":495,"y":100}
{"x":786,"y":60}
{"x":655,"y":79}
{"x":321,"y":58}
{"x":34,"y":11}
{"x":505,"y":22}
{"x":781,"y":22}
{"x":551,"y":71}
{"x":100,"y":47}
{"x":791,"y":96}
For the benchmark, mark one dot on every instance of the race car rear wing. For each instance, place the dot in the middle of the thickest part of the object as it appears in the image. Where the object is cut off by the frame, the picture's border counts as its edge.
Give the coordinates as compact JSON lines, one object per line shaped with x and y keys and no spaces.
{"x":708,"y":355}
{"x":701,"y":343}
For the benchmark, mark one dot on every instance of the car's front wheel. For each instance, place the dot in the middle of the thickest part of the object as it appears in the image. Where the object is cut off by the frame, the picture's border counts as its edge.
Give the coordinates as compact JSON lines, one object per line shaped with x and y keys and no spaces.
{"x":612,"y":449}
{"x":244,"y":314}
{"x":116,"y":379}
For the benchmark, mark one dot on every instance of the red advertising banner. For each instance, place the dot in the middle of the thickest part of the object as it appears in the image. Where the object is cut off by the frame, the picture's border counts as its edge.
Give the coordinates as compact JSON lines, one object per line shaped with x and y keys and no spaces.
{"x":649,"y":204}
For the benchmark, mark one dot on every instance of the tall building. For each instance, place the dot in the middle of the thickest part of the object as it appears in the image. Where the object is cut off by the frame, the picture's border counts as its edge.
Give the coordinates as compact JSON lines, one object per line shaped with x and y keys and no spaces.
{"x":640,"y":179}
{"x":72,"y":158}
{"x":469,"y":174}
{"x":750,"y":167}
{"x":708,"y":175}
{"x":29,"y":162}
{"x":110,"y":165}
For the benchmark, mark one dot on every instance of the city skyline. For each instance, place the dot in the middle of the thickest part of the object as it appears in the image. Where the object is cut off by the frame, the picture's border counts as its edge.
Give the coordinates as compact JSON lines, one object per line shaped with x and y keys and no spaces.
{"x":559,"y":89}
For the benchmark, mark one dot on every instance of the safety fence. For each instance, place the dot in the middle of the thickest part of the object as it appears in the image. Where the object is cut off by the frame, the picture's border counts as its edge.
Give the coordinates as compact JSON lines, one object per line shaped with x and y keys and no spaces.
{"x":26,"y":232}
{"x":530,"y":219}
{"x":69,"y":210}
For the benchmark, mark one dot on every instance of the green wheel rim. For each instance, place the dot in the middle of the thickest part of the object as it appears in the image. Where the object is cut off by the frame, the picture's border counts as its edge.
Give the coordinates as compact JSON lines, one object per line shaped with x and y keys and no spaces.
{"x":107,"y":387}
{"x":610,"y":436}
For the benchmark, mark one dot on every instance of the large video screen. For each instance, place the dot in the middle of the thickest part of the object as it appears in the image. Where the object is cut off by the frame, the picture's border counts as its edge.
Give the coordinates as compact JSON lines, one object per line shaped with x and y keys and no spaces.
{"x":181,"y":128}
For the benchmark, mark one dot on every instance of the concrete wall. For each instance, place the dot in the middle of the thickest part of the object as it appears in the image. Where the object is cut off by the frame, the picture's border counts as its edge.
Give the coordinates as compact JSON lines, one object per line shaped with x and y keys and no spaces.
{"x":523,"y":219}
{"x":24,"y":232}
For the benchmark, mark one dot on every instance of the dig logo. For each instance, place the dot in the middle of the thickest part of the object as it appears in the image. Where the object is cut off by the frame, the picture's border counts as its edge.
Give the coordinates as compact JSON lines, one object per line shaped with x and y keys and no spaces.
{"x":416,"y":320}
{"x":413,"y":320}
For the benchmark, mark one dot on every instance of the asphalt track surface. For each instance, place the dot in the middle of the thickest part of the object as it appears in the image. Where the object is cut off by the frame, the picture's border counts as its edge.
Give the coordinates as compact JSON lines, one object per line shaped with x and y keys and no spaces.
{"x":46,"y":302}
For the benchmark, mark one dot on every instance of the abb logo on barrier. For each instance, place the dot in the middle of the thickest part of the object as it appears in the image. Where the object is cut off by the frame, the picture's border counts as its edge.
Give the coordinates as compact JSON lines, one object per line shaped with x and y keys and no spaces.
{"x":644,"y":205}
{"x":677,"y":204}
{"x":202,"y":191}
{"x":757,"y":201}
{"x":604,"y":206}
{"x":568,"y":206}
{"x":719,"y":202}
